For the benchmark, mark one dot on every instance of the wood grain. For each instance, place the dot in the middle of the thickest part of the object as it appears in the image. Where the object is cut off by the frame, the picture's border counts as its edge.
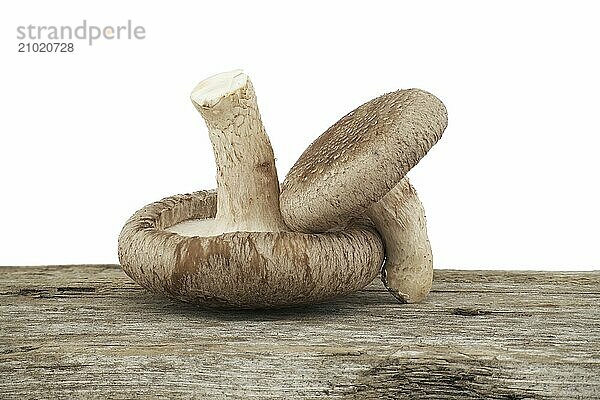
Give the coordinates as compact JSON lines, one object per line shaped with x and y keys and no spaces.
{"x":89,"y":332}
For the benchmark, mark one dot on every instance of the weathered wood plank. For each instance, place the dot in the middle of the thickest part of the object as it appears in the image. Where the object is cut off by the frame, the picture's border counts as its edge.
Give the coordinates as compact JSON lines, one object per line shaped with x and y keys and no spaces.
{"x":88,"y":331}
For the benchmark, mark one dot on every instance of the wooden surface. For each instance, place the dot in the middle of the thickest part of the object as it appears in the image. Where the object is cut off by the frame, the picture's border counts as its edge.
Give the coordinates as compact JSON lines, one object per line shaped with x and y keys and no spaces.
{"x":88,"y":331}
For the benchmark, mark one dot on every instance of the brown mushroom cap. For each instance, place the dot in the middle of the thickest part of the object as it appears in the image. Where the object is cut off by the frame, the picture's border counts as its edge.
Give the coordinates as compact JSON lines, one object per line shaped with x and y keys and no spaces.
{"x":359,"y":159}
{"x":243,"y":269}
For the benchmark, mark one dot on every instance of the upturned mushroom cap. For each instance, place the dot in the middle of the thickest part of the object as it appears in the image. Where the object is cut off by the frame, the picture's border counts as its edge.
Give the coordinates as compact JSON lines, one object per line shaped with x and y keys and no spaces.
{"x":359,"y":159}
{"x":231,"y":248}
{"x":243,"y":269}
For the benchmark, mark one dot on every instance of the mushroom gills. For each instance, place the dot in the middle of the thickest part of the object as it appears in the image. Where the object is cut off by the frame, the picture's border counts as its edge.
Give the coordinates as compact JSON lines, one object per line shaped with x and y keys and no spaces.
{"x":199,"y":227}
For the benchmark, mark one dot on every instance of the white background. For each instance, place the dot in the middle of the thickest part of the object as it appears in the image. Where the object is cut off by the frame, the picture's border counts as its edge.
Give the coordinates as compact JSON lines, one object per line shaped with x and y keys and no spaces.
{"x":90,"y":137}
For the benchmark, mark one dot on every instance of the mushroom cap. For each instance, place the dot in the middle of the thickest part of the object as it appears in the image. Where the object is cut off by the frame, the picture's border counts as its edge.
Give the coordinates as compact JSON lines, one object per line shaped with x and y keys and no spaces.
{"x":359,"y":159}
{"x":243,"y":269}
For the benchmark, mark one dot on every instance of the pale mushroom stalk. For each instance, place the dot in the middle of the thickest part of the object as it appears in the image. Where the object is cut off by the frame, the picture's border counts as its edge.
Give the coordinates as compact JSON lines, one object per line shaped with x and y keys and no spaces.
{"x":247,"y":184}
{"x":400,"y":219}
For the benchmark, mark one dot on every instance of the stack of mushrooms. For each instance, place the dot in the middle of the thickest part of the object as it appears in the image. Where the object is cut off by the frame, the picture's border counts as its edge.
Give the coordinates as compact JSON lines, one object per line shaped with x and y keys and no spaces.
{"x":343,"y":209}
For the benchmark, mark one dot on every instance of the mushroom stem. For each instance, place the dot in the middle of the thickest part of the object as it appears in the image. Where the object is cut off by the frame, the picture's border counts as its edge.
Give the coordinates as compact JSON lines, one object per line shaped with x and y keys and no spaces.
{"x":400,"y":219}
{"x":247,"y":184}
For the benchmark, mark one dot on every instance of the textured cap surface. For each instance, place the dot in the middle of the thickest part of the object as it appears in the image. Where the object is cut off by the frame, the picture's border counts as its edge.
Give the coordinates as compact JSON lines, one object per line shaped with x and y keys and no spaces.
{"x":355,"y":162}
